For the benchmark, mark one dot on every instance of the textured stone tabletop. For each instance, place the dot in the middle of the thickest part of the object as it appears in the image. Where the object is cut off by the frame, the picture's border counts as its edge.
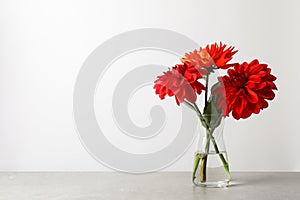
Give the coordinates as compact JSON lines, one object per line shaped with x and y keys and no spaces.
{"x":163,"y":185}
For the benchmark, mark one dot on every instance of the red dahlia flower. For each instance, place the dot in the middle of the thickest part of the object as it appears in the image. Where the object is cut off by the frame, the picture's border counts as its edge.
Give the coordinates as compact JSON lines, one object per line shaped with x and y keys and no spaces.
{"x":211,"y":55}
{"x":247,"y":87}
{"x":181,"y":82}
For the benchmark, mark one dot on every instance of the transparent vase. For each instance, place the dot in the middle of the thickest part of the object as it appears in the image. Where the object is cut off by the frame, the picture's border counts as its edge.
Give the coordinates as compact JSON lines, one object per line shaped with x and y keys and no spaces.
{"x":211,"y":167}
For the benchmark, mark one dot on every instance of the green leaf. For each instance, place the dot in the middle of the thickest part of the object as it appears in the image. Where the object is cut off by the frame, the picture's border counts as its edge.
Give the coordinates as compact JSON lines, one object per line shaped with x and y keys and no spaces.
{"x":215,"y":86}
{"x":211,"y":113}
{"x":189,"y":105}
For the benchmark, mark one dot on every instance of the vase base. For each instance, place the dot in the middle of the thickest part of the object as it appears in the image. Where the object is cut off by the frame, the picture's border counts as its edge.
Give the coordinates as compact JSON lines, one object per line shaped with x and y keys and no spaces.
{"x":219,"y":184}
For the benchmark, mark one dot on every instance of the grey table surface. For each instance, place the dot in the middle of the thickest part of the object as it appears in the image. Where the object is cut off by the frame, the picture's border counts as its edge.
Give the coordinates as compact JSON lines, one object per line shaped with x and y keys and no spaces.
{"x":162,"y":185}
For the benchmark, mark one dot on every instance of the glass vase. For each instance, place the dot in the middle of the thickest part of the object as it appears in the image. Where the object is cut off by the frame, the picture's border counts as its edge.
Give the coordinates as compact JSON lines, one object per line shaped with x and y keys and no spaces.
{"x":211,"y":167}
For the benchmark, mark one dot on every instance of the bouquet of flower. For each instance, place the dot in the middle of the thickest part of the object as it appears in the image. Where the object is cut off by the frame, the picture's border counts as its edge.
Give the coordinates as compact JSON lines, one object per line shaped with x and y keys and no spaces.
{"x":243,"y":91}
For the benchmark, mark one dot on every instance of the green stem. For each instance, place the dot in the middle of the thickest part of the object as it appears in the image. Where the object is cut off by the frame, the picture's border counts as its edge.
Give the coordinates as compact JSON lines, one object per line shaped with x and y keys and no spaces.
{"x":203,"y":169}
{"x":202,"y":119}
{"x":204,"y":159}
{"x":224,"y":162}
{"x":196,"y":163}
{"x":206,"y":85}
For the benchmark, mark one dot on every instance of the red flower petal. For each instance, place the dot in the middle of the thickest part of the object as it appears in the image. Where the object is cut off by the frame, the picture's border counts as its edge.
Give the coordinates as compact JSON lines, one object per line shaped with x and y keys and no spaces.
{"x":251,"y":96}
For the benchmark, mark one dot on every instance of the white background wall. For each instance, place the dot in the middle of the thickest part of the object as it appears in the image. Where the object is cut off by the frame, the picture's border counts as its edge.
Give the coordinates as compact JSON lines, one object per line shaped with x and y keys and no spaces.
{"x":44,"y":43}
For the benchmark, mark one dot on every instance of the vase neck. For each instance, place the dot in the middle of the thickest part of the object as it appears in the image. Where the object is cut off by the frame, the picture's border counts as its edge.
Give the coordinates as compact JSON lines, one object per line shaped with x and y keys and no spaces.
{"x":211,"y":139}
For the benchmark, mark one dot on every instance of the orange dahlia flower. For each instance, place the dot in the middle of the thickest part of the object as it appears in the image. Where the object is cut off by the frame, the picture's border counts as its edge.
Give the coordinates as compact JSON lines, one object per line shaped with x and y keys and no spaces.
{"x":211,"y":55}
